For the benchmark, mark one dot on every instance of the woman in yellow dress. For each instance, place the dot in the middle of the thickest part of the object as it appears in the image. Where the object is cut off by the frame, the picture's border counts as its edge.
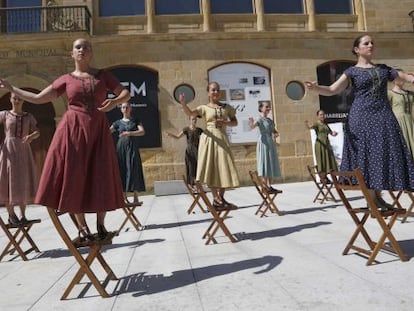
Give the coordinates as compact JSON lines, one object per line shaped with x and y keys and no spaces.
{"x":215,"y":166}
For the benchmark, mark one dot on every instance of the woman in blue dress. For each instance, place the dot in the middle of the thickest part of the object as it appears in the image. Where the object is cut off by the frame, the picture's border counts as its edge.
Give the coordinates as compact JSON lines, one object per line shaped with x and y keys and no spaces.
{"x":373,"y":140}
{"x":266,"y":153}
{"x":129,"y":159}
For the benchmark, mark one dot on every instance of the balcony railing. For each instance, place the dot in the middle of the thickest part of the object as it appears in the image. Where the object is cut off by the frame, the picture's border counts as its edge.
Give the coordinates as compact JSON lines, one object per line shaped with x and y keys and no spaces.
{"x":45,"y":19}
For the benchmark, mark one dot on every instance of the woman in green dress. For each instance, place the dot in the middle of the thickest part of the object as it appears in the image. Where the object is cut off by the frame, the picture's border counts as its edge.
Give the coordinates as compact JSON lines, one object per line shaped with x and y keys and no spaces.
{"x":215,"y":166}
{"x":325,"y":158}
{"x":401,"y":102}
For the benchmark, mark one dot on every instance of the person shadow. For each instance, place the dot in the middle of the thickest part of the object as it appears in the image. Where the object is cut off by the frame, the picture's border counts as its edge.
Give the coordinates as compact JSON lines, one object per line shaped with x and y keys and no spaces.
{"x":141,"y":284}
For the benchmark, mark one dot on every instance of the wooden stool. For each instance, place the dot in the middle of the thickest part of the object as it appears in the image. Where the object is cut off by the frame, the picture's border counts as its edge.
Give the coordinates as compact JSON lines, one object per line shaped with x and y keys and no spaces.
{"x":219,"y":215}
{"x":268,"y":195}
{"x":84,"y":263}
{"x":385,"y":219}
{"x":324,"y":188}
{"x":195,"y":195}
{"x":129,"y":209}
{"x":16,"y":235}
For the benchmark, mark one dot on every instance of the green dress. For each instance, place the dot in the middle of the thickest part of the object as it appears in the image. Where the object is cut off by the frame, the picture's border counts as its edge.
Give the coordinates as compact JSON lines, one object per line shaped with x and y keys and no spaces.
{"x":402,"y":104}
{"x":215,"y":165}
{"x":325,"y":158}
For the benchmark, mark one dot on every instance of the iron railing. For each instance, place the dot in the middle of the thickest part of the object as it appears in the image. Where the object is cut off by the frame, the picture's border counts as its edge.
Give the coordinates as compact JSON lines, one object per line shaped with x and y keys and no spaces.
{"x":45,"y":19}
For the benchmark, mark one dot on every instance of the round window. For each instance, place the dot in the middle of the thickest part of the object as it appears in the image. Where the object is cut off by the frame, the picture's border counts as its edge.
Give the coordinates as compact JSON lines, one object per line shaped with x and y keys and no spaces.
{"x":185,"y":89}
{"x":295,"y":90}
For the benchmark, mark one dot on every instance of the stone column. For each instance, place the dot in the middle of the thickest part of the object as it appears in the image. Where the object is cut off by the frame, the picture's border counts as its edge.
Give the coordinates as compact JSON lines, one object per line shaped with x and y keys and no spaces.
{"x":260,"y":15}
{"x":359,"y":12}
{"x":310,"y":8}
{"x":206,"y":10}
{"x":150,"y":12}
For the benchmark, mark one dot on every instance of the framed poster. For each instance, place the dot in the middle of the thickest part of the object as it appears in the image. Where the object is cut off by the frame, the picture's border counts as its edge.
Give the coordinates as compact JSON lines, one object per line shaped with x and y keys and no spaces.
{"x":243,"y":86}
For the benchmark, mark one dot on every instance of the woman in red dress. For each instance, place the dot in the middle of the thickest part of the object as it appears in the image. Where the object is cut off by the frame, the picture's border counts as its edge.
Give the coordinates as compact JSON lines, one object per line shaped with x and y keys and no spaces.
{"x":81,"y":172}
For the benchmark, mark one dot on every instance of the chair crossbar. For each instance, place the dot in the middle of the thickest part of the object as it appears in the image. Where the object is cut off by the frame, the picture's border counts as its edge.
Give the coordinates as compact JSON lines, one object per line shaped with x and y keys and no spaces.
{"x":324,"y":187}
{"x":268,"y":196}
{"x":219,"y":215}
{"x":17,"y":235}
{"x":195,"y":195}
{"x":94,"y":253}
{"x":345,"y":181}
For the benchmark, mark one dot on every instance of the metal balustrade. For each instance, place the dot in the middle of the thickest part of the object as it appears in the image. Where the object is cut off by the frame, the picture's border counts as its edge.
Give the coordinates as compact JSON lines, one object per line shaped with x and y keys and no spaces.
{"x":45,"y":19}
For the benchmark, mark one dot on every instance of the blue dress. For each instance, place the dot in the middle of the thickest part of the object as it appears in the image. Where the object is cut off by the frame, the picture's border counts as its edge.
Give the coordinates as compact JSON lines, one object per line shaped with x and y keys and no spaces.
{"x":267,"y":158}
{"x":129,"y":159}
{"x":373,"y":140}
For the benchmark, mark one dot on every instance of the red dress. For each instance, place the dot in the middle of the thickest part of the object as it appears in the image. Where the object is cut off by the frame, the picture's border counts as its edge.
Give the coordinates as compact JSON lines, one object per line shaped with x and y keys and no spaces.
{"x":81,"y":173}
{"x":18,"y":178}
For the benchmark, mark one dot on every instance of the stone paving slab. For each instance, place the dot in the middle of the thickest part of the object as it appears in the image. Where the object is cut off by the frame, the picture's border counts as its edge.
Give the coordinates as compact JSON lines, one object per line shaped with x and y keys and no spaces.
{"x":289,"y":262}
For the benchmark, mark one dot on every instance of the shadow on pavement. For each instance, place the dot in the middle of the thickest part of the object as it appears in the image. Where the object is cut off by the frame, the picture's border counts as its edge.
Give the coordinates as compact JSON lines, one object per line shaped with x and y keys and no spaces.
{"x":141,"y":284}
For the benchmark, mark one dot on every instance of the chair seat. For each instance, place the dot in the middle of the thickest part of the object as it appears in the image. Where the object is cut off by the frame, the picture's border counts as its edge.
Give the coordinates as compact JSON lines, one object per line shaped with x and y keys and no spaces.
{"x":107,"y":241}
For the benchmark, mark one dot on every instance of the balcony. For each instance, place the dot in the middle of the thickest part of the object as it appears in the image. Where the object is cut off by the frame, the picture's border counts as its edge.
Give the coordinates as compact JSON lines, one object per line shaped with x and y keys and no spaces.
{"x":45,"y":19}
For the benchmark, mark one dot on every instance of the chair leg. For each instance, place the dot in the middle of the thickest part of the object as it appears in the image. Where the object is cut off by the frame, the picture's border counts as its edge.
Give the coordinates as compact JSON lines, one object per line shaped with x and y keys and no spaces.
{"x":20,"y":235}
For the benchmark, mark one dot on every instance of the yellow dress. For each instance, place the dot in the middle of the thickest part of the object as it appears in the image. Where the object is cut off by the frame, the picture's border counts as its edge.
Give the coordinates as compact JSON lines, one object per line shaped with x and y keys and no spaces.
{"x":215,"y":165}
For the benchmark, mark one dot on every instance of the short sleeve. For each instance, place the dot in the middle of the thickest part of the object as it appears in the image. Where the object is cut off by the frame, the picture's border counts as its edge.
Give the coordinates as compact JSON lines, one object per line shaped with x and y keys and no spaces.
{"x":392,"y":73}
{"x":115,"y":125}
{"x":110,"y":80}
{"x":59,"y":85}
{"x":200,"y":111}
{"x":314,"y":126}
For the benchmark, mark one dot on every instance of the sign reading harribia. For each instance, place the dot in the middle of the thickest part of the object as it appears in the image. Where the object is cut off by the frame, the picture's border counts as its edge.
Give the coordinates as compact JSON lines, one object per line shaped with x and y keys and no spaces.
{"x":142,"y":83}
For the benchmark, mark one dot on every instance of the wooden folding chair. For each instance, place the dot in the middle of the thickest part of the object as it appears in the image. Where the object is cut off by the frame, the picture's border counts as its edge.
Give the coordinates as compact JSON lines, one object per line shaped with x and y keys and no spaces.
{"x":129,"y":209}
{"x":324,"y":188}
{"x":195,"y":195}
{"x":396,"y":203}
{"x":84,"y":263}
{"x":268,"y":196}
{"x":17,"y":234}
{"x":219,"y":215}
{"x":355,"y":181}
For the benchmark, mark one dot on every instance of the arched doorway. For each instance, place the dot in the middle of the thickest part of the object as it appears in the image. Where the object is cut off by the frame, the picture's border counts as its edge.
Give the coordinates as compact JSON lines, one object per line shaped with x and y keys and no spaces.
{"x":45,"y":117}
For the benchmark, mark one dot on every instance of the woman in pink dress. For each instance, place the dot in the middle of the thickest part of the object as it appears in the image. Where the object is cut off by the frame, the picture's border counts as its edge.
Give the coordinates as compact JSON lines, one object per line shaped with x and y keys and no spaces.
{"x":81,"y":172}
{"x":18,"y":179}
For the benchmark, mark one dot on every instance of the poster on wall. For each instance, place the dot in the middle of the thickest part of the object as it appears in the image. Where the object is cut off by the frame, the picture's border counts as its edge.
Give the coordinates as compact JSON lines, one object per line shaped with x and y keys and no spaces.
{"x":142,"y":83}
{"x":336,"y":142}
{"x":243,"y":86}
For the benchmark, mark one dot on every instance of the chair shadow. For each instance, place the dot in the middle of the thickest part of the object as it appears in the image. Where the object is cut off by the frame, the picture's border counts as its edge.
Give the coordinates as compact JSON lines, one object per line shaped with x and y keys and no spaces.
{"x":62,"y":252}
{"x":175,"y":224}
{"x":407,"y":247}
{"x":309,"y":209}
{"x":278,"y":232}
{"x":141,"y":284}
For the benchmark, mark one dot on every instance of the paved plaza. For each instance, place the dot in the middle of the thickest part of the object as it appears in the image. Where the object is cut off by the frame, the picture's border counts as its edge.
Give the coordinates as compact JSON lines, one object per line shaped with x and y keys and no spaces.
{"x":289,"y":262}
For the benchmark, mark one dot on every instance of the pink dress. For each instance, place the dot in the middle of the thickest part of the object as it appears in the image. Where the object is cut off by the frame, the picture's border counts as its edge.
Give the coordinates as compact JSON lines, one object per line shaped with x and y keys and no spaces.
{"x":18,"y":179}
{"x":81,"y":173}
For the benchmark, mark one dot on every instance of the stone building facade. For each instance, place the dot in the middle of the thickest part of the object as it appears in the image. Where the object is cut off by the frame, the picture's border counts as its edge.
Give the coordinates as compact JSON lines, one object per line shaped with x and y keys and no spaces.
{"x":182,"y":48}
